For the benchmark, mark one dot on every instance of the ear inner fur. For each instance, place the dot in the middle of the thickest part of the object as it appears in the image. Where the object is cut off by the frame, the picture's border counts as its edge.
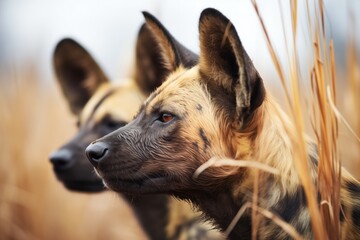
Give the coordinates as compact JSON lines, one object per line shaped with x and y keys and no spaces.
{"x":224,"y":60}
{"x":173,"y":53}
{"x":77,"y":72}
{"x":158,"y":53}
{"x":150,"y":70}
{"x":163,"y":37}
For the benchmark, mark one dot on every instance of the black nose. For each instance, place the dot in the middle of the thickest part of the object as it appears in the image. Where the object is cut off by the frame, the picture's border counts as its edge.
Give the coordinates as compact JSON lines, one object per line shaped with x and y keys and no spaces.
{"x":61,"y":159}
{"x":96,"y":152}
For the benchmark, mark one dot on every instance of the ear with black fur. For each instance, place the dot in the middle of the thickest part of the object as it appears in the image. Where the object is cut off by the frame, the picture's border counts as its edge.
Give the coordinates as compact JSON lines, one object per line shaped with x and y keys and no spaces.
{"x":158,"y":53}
{"x":224,"y":61}
{"x":77,"y":72}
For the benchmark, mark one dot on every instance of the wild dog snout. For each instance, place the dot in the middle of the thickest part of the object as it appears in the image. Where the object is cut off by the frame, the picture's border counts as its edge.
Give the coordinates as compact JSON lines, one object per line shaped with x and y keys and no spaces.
{"x":96,"y":152}
{"x":61,"y":159}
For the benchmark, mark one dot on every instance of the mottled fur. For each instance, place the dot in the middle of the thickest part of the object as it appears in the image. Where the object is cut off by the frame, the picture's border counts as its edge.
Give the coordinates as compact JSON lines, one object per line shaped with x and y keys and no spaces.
{"x":101,"y":107}
{"x":237,"y":120}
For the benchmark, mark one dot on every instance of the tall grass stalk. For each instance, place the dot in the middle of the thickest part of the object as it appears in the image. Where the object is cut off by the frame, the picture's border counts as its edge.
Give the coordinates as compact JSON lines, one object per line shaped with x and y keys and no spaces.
{"x":325,"y":218}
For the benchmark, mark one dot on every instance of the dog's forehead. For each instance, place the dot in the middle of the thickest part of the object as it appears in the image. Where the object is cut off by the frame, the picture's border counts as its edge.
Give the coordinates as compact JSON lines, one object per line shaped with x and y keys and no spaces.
{"x":119,"y":101}
{"x":180,"y":87}
{"x":93,"y":102}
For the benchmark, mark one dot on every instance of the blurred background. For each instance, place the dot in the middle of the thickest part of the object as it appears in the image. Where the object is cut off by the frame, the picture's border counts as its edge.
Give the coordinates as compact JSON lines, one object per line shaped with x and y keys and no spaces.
{"x":35,"y":120}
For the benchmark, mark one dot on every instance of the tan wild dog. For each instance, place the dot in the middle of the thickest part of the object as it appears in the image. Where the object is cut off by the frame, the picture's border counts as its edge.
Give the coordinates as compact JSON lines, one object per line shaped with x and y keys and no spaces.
{"x":101,"y":107}
{"x":218,"y":109}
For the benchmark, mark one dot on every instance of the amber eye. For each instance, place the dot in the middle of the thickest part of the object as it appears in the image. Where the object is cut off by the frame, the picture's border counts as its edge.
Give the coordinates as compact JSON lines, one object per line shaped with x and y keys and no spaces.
{"x":166,"y":117}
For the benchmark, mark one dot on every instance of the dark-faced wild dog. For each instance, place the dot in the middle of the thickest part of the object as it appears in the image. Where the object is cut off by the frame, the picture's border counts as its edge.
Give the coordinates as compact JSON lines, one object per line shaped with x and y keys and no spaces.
{"x":101,"y":107}
{"x":218,"y":109}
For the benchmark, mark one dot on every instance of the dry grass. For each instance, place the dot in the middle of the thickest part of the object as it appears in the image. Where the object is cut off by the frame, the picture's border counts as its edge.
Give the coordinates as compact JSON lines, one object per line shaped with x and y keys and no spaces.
{"x":325,"y":126}
{"x":215,"y":162}
{"x":293,"y":102}
{"x":33,"y":204}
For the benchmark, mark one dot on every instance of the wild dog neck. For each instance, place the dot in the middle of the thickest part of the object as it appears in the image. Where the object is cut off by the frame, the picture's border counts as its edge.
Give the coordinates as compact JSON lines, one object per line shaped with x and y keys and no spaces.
{"x":266,"y":140}
{"x":222,"y":208}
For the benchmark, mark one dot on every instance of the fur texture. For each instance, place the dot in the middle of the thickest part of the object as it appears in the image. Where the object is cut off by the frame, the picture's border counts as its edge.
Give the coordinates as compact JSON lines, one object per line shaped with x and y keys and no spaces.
{"x":102,"y":107}
{"x":217,"y":109}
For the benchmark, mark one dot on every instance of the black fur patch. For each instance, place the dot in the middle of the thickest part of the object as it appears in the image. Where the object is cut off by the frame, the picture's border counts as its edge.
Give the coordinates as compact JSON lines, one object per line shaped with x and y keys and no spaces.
{"x":354,"y":190}
{"x":196,"y":146}
{"x":290,"y":206}
{"x":204,"y":139}
{"x":356,"y":215}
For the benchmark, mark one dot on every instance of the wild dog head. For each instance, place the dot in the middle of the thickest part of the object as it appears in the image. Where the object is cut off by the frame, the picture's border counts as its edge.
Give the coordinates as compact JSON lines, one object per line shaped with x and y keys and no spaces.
{"x":90,"y":97}
{"x":100,"y":106}
{"x":191,"y":118}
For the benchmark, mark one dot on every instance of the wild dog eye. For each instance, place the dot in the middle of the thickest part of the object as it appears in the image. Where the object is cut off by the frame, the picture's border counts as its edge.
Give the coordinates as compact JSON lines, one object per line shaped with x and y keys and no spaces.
{"x":166,"y":117}
{"x":111,"y":123}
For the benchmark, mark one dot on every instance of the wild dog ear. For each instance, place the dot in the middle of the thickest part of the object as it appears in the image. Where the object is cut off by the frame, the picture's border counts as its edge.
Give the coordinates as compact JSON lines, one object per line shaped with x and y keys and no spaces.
{"x":224,"y":61}
{"x":158,"y":53}
{"x":77,"y":73}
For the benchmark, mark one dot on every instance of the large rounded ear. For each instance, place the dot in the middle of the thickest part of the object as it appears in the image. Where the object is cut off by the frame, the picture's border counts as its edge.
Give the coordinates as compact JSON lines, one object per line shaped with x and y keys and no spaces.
{"x":224,"y":62}
{"x":158,"y":53}
{"x":77,"y":73}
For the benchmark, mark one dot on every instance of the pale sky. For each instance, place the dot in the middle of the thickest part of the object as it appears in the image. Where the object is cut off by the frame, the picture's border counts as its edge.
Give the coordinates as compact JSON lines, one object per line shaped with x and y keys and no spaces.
{"x":29,"y":30}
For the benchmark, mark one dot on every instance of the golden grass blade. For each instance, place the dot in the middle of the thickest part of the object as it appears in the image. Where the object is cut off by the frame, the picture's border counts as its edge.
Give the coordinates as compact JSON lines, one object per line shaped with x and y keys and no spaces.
{"x":236,"y":219}
{"x":215,"y":162}
{"x":340,"y":116}
{"x":273,"y":54}
{"x":298,"y":141}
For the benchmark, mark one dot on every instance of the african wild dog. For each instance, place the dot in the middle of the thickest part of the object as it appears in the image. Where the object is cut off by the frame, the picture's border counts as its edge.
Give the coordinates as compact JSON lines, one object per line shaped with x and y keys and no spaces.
{"x":102,"y":107}
{"x":217,"y":109}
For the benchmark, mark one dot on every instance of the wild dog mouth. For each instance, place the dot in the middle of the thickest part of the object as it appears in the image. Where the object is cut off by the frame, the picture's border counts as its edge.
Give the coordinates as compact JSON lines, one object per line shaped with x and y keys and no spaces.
{"x":84,"y":186}
{"x":150,"y":183}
